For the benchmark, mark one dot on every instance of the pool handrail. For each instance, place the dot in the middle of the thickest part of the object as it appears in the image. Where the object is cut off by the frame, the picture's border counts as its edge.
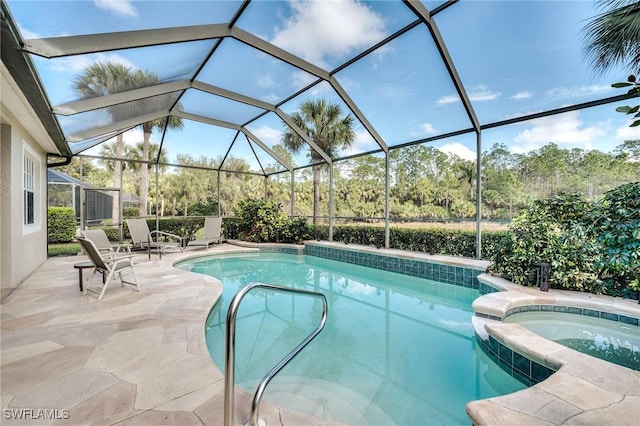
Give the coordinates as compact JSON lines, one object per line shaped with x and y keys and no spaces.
{"x":229,"y":360}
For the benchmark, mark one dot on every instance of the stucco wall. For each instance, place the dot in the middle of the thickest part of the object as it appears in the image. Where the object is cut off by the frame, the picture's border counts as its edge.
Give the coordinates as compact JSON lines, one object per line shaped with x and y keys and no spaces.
{"x":22,"y":248}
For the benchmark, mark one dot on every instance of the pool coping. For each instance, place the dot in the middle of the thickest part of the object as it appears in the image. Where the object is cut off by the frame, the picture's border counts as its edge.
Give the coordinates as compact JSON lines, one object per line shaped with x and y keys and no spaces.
{"x":582,"y":389}
{"x":78,"y":344}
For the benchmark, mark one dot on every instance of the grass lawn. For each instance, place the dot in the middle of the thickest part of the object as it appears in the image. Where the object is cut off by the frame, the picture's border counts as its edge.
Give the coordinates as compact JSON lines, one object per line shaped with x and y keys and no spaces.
{"x":63,"y":249}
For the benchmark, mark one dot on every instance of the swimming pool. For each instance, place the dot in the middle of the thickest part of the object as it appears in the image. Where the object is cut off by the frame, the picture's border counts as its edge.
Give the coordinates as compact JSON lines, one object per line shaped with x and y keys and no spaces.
{"x":612,"y":341}
{"x":396,"y":349}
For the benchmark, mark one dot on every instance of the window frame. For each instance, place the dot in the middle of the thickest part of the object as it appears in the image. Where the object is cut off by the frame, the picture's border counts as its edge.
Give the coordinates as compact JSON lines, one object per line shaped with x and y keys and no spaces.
{"x":31,"y":190}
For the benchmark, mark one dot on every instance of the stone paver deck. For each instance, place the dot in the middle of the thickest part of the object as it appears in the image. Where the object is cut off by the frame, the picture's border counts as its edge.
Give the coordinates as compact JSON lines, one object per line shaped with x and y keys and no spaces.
{"x":135,"y":358}
{"x":140,"y":358}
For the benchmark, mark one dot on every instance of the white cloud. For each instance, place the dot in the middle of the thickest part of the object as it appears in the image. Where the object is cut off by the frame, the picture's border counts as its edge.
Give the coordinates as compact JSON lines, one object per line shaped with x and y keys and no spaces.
{"x":317,"y":30}
{"x":479,"y":93}
{"x":460,"y":150}
{"x":482,"y":93}
{"x":117,"y":7}
{"x":134,"y":136}
{"x":572,"y":92}
{"x":627,"y":133}
{"x":267,"y":134}
{"x":428,"y":128}
{"x":562,"y":129}
{"x":449,"y":99}
{"x":522,"y":95}
{"x":302,"y":79}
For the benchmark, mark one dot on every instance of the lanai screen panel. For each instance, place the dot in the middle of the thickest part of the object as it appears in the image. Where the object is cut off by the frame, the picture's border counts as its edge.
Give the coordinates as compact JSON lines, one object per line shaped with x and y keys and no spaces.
{"x":404,"y":69}
{"x":518,"y":58}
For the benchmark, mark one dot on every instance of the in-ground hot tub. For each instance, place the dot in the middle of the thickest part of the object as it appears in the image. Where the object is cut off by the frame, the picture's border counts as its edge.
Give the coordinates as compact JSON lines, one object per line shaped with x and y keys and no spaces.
{"x":611,"y":339}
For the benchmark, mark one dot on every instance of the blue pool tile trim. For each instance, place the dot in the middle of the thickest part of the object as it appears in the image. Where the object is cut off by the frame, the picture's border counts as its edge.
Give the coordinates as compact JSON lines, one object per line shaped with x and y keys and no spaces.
{"x":576,"y":310}
{"x":282,"y":250}
{"x":464,"y":277}
{"x":517,"y":365}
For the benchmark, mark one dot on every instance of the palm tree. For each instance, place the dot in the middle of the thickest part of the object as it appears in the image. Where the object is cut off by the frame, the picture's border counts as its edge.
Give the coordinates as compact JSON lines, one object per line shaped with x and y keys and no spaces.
{"x":328,"y":128}
{"x":613,"y":37}
{"x":101,"y":79}
{"x":144,"y":79}
{"x":137,"y":153}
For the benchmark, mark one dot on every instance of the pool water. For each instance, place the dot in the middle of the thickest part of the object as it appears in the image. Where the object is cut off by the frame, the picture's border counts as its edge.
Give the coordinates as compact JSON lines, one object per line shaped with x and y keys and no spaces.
{"x":609,"y":340}
{"x":395,"y":350}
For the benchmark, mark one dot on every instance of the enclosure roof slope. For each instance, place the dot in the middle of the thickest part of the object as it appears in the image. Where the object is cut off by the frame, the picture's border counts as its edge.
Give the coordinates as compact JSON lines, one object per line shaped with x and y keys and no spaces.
{"x":223,"y":79}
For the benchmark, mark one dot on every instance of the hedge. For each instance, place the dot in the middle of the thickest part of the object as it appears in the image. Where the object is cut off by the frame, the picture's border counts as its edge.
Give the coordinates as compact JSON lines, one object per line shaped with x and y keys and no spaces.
{"x":61,"y":224}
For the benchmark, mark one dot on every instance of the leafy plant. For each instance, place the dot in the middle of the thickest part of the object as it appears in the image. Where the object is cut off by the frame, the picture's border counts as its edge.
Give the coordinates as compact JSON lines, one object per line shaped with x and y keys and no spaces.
{"x":61,"y":224}
{"x":635,"y":90}
{"x":590,"y":246}
{"x":616,"y":222}
{"x":263,"y":220}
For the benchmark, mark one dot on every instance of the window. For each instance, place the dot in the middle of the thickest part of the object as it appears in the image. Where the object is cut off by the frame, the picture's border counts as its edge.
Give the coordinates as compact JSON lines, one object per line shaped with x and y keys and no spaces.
{"x":29,"y":206}
{"x":30,"y":189}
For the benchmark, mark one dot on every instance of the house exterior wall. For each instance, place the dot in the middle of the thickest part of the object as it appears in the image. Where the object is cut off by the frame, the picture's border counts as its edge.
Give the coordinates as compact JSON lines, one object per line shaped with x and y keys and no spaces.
{"x":23,"y":247}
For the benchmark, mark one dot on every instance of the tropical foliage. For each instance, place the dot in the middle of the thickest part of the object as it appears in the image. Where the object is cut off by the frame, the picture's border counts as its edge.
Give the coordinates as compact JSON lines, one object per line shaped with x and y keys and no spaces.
{"x":425,"y":183}
{"x":329,"y":130}
{"x":263,"y":220}
{"x":590,"y":246}
{"x":612,"y":38}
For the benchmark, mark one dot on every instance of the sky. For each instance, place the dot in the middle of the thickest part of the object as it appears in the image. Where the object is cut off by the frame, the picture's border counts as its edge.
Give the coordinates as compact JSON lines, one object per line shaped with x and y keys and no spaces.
{"x":513,"y":57}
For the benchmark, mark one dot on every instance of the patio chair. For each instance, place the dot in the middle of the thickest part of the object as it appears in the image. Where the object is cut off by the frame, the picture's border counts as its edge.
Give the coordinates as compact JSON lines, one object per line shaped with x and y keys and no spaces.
{"x":144,"y":239}
{"x":100,"y":239}
{"x":212,"y":226}
{"x":108,"y":265}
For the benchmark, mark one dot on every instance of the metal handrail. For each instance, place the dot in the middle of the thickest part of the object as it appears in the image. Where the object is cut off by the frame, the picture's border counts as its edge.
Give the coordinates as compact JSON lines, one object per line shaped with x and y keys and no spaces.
{"x":229,"y":360}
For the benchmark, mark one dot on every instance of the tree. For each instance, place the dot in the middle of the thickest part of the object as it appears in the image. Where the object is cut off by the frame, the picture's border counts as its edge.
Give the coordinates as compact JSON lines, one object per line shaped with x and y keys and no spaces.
{"x":102,"y":79}
{"x":612,"y":38}
{"x":137,"y":153}
{"x":106,"y":78}
{"x":325,"y":124}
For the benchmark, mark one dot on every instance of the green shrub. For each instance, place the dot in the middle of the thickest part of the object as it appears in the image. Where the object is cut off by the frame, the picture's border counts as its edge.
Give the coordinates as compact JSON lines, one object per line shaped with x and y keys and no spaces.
{"x":615,"y":222}
{"x":61,"y":224}
{"x":590,"y":246}
{"x":129,"y":212}
{"x":263,"y":220}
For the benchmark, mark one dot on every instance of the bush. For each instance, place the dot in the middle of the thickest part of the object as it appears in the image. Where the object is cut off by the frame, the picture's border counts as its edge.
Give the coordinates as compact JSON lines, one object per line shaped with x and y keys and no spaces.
{"x":263,"y":220}
{"x":616,"y":225}
{"x":61,"y":224}
{"x":129,"y":212}
{"x":592,"y":247}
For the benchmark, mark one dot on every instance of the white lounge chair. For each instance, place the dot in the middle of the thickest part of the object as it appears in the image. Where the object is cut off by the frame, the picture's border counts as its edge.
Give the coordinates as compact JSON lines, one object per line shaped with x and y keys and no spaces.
{"x":108,"y":265}
{"x":142,"y":238}
{"x":100,"y":239}
{"x":211,"y":235}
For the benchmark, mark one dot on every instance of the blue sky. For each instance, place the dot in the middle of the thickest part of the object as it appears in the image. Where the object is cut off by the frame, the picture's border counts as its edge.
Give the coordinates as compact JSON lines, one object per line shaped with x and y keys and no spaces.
{"x":514,"y":58}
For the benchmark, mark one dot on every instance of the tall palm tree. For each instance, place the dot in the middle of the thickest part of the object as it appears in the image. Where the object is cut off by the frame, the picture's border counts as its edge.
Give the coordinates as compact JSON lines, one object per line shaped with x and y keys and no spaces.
{"x":144,"y":79}
{"x":613,"y":37}
{"x":101,"y":79}
{"x":137,"y":153}
{"x":325,"y":124}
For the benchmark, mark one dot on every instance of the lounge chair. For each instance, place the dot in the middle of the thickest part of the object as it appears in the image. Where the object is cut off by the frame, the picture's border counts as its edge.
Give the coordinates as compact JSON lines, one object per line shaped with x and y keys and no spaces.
{"x":100,"y":239}
{"x":108,"y":265}
{"x":144,"y":239}
{"x":212,"y":226}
